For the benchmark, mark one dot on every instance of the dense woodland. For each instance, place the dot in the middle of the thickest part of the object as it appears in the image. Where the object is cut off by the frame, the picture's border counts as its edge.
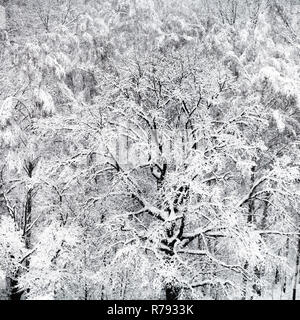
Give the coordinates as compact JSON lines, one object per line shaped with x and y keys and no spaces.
{"x":149,"y":149}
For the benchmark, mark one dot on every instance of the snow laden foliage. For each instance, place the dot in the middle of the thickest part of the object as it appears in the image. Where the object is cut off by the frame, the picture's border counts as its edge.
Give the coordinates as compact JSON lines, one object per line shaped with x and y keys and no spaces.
{"x":6,"y":111}
{"x":149,"y":150}
{"x":12,"y":247}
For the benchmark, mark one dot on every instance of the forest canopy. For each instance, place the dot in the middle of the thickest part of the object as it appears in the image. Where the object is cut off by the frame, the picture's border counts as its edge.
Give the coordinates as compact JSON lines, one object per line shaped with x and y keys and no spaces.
{"x":149,"y":149}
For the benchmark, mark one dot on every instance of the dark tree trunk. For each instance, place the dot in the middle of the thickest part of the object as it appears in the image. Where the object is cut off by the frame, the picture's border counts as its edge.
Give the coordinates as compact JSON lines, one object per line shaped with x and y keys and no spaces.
{"x":15,"y":292}
{"x":296,"y":271}
{"x":172,"y":291}
{"x":244,"y":294}
{"x":285,"y":275}
{"x":27,"y":221}
{"x":257,"y":287}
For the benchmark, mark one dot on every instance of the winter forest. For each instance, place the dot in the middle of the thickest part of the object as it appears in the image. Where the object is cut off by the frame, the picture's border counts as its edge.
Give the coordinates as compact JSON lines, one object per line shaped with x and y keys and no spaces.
{"x":149,"y":149}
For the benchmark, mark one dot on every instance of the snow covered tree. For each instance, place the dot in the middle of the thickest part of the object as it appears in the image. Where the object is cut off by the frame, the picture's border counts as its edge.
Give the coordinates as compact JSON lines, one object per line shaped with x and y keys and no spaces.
{"x":149,"y":149}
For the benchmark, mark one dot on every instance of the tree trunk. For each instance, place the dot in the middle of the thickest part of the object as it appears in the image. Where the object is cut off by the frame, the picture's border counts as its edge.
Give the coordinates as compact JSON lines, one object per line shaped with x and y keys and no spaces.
{"x":296,"y":271}
{"x":15,"y":292}
{"x":172,"y":291}
{"x":287,"y":254}
{"x":27,"y":221}
{"x":244,"y":293}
